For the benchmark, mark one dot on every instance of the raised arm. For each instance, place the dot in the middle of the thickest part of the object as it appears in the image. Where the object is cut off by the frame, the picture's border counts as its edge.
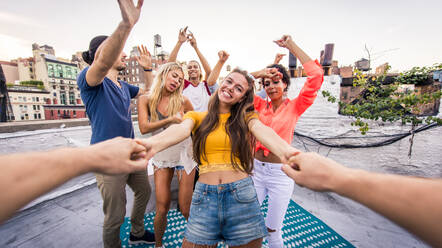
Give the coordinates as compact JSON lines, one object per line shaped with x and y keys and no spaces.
{"x":270,"y":139}
{"x":112,"y":47}
{"x":182,"y":37}
{"x":213,"y":77}
{"x":172,"y":135}
{"x":24,"y":177}
{"x":278,"y":58}
{"x":201,"y":57}
{"x":147,"y":126}
{"x":315,"y":74}
{"x":287,"y":42}
{"x":413,"y":203}
{"x":145,"y":61}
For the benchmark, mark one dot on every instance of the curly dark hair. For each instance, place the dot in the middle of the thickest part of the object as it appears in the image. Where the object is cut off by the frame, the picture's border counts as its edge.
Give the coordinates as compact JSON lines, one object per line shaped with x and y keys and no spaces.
{"x":285,"y":75}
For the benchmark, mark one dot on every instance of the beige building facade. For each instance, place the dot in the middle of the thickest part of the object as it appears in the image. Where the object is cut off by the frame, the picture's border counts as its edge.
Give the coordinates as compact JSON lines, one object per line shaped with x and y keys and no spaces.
{"x":27,"y":103}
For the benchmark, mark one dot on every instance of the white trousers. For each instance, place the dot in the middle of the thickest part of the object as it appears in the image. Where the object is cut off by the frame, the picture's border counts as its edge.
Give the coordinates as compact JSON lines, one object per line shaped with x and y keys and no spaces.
{"x":270,"y":180}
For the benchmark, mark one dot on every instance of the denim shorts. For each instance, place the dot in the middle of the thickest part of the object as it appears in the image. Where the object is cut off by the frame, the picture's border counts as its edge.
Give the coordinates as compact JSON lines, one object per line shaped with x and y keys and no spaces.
{"x":228,"y":212}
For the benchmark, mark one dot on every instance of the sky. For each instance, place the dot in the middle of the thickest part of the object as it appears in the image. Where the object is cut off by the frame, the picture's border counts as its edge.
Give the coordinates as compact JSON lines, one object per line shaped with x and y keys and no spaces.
{"x":403,"y":33}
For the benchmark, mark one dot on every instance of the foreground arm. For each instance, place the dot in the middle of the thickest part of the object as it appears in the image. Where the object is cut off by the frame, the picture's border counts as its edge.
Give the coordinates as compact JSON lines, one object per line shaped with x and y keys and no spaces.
{"x":174,"y":134}
{"x":181,"y":39}
{"x":413,"y":203}
{"x":24,"y":177}
{"x":203,"y":60}
{"x":112,"y":47}
{"x":213,"y":77}
{"x":270,"y":139}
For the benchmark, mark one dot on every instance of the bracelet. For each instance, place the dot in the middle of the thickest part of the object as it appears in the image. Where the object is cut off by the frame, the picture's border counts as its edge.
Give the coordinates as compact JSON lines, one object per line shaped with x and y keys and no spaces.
{"x":147,"y":69}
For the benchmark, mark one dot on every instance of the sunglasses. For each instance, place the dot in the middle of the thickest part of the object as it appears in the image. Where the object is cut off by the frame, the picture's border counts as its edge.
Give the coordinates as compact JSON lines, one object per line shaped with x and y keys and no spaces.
{"x":267,"y":84}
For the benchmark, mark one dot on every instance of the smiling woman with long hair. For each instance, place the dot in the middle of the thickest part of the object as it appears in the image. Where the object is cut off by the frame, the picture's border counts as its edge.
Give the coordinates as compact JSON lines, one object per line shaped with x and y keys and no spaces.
{"x":224,"y":203}
{"x":164,"y":106}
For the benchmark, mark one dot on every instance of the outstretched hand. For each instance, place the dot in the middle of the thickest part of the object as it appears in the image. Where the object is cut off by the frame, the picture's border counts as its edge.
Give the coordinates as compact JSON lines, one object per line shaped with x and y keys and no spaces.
{"x":313,"y":171}
{"x":223,"y":56}
{"x":145,"y":59}
{"x":129,"y":11}
{"x":182,"y":35}
{"x":119,"y":156}
{"x":285,"y":41}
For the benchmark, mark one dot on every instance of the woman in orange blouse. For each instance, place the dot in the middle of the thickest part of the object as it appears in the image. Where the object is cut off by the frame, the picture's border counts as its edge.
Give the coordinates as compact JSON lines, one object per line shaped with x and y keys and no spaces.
{"x":281,"y":114}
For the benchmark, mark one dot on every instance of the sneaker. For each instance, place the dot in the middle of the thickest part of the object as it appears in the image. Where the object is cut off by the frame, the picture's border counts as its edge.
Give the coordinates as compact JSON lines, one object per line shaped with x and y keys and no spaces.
{"x":147,"y":238}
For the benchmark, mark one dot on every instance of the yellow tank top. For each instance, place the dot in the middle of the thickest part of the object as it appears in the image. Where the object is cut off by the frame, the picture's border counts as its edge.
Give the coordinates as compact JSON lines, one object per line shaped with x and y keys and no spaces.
{"x":218,"y":147}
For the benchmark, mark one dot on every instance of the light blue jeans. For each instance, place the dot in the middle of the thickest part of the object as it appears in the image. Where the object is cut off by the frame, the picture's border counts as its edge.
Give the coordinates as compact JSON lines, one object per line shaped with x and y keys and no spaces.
{"x":229,"y":212}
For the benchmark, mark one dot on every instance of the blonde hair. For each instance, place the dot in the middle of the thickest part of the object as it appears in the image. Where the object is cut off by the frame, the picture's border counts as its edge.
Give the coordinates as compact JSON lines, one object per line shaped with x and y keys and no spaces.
{"x":176,"y":99}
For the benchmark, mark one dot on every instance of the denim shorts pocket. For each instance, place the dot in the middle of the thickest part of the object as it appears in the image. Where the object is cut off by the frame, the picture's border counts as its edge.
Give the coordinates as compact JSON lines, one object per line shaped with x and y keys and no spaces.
{"x":245,"y":194}
{"x":197,"y":198}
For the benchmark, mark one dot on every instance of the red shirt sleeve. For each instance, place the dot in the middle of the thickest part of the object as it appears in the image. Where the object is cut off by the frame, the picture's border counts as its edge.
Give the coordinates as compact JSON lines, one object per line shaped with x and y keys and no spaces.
{"x":315,"y":77}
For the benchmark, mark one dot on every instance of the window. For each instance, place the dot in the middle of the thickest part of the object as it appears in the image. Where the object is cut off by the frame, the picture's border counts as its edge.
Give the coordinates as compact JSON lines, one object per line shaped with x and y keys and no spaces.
{"x":74,"y":113}
{"x":137,"y":70}
{"x":20,"y":98}
{"x":58,"y":113}
{"x":37,"y":99}
{"x":33,"y":99}
{"x":52,"y":112}
{"x":39,"y":116}
{"x":38,"y":107}
{"x":59,"y":71}
{"x":68,"y":72}
{"x":34,"y":107}
{"x":63,"y":98}
{"x":22,"y":117}
{"x":50,"y":70}
{"x":71,"y":98}
{"x":26,"y":117}
{"x":35,"y":116}
{"x":26,"y":107}
{"x":54,"y":87}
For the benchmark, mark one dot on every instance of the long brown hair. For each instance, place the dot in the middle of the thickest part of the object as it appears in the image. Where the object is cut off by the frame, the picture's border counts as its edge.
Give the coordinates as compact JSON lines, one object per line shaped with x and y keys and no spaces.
{"x":242,"y":142}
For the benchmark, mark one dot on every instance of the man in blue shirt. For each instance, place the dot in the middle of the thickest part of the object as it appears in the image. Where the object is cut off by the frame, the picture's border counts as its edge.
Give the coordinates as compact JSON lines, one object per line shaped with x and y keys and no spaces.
{"x":107,"y":102}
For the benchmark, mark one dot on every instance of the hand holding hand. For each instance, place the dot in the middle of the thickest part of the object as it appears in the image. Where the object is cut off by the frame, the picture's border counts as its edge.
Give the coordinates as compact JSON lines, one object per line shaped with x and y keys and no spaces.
{"x":129,"y":11}
{"x":145,"y":59}
{"x":289,"y":153}
{"x":118,"y":156}
{"x":285,"y":41}
{"x":182,"y":36}
{"x":223,"y":56}
{"x":314,"y":171}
